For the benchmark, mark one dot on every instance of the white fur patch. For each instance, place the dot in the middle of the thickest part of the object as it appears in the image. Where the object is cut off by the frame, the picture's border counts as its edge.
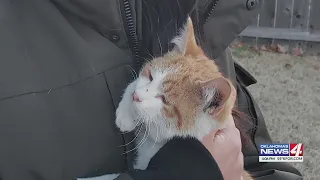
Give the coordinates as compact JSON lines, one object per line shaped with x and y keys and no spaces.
{"x":181,"y":40}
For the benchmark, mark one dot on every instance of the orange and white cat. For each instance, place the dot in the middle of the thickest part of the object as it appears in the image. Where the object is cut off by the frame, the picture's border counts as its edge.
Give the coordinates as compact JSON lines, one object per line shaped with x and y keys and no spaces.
{"x":179,"y":94}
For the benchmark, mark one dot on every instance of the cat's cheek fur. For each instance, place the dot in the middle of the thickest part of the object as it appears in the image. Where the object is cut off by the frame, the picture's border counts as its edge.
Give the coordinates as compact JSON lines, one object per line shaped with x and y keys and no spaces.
{"x":149,"y":109}
{"x":125,"y":113}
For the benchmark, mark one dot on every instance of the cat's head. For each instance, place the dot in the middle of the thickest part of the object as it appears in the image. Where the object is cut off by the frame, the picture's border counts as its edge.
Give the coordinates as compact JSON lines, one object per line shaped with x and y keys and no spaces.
{"x":182,"y":93}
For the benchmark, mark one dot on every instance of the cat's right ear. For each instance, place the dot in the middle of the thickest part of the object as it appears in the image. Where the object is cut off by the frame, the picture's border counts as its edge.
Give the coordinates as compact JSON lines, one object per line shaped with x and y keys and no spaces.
{"x":216,"y":92}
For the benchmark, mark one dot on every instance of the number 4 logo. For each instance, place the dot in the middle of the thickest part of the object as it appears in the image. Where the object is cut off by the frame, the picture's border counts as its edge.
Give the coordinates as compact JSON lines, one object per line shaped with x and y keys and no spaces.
{"x":296,"y":149}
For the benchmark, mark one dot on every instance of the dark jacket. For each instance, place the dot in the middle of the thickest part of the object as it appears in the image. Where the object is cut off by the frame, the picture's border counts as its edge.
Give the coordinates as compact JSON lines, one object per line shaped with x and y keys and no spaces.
{"x":64,"y":66}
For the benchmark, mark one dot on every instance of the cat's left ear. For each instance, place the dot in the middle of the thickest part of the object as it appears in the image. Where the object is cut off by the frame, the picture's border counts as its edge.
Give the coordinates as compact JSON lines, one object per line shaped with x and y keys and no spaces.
{"x":185,"y":42}
{"x":215,"y":94}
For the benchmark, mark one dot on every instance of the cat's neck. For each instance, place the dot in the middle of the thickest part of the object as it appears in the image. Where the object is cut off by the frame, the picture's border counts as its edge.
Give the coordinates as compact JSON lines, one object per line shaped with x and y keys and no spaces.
{"x":203,"y":125}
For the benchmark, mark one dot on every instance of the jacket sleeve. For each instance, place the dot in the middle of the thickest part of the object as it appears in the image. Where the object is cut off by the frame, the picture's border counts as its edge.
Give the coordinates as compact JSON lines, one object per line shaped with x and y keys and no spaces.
{"x":179,"y":159}
{"x":224,"y":20}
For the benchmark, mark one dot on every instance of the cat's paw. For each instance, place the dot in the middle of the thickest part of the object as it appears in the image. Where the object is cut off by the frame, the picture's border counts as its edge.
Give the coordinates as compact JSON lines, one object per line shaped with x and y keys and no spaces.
{"x":125,"y":113}
{"x":125,"y":123}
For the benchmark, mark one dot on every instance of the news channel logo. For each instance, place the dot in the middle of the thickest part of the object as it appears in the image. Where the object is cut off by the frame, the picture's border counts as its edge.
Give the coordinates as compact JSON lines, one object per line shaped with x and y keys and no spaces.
{"x":281,"y":152}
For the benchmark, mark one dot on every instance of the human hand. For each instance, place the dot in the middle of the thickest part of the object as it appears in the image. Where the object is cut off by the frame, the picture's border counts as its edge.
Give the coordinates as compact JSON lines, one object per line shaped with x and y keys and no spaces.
{"x":225,"y":147}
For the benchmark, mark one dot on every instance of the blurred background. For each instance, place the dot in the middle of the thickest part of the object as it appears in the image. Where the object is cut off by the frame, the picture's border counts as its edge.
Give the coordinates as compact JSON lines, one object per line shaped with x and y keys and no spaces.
{"x":281,"y":48}
{"x":290,"y":23}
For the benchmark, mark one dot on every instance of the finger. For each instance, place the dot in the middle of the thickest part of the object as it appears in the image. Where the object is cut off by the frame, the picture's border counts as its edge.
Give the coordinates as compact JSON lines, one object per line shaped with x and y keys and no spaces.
{"x":231,"y":133}
{"x":214,"y":131}
{"x":233,"y":95}
{"x":240,"y":163}
{"x":229,"y":122}
{"x":236,"y":132}
{"x":210,"y":136}
{"x":221,"y":135}
{"x":241,"y":159}
{"x":236,"y":138}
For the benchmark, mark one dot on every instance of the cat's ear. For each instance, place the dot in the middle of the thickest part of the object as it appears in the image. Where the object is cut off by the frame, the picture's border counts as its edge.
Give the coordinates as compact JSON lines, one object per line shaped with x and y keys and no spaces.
{"x":146,"y":70}
{"x":215,"y":94}
{"x":185,"y":42}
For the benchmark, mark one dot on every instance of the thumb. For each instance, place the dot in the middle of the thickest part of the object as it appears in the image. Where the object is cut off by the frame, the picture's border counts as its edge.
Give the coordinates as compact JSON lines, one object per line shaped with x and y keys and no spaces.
{"x":229,"y":122}
{"x":221,"y":135}
{"x":210,"y":136}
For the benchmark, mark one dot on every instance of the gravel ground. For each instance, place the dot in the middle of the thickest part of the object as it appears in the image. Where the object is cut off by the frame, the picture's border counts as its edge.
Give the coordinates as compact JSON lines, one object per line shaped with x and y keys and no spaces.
{"x":288,"y":92}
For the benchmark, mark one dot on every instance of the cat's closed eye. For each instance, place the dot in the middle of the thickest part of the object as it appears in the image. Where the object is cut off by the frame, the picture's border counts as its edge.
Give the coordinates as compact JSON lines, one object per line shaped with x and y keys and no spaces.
{"x":146,"y":72}
{"x":162,"y":98}
{"x":150,"y":77}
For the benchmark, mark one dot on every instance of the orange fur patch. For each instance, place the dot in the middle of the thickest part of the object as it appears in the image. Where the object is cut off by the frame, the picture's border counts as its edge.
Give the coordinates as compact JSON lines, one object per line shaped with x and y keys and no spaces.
{"x":182,"y":86}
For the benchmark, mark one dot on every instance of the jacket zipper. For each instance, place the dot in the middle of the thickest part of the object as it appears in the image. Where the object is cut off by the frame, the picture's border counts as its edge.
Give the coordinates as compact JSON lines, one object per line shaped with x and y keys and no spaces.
{"x":213,"y":7}
{"x":133,"y":42}
{"x":133,"y":38}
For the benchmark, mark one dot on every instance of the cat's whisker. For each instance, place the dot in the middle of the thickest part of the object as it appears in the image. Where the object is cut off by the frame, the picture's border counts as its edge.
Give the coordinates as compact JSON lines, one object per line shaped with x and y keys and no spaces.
{"x":159,"y":44}
{"x":146,"y":138}
{"x":142,"y":141}
{"x":139,"y":120}
{"x":149,"y":53}
{"x":145,"y":59}
{"x":136,"y":136}
{"x":149,"y":61}
{"x":148,"y":133}
{"x":137,"y":146}
{"x":133,"y":72}
{"x":156,"y":136}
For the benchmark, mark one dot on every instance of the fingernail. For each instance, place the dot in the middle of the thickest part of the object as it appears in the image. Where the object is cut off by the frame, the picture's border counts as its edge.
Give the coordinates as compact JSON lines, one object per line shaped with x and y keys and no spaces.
{"x":219,"y":132}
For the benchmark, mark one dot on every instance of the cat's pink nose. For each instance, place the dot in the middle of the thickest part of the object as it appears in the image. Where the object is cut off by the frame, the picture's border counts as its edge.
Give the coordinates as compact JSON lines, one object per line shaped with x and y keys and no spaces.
{"x":135,"y":97}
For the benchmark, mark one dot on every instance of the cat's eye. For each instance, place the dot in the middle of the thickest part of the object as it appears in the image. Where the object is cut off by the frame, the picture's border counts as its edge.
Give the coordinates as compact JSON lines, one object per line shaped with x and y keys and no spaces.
{"x":162,"y":98}
{"x":146,"y":72}
{"x":150,"y":77}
